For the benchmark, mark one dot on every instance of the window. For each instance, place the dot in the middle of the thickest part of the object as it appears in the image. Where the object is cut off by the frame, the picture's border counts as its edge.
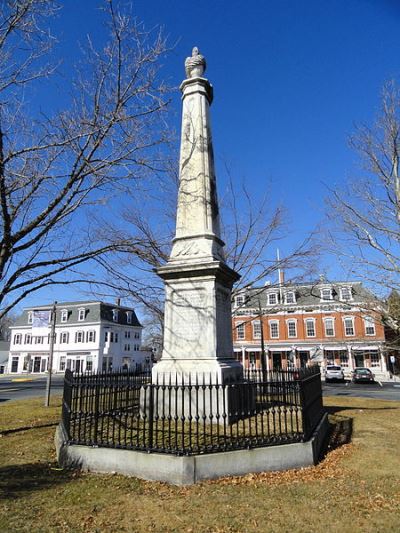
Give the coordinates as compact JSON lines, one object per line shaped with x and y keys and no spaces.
{"x":91,"y":336}
{"x":111,"y":336}
{"x":274,"y":330}
{"x":79,"y":336}
{"x":345,"y":294}
{"x":128,"y":335}
{"x":39,"y":340}
{"x":30,"y":317}
{"x":326,"y":294}
{"x":64,"y":315}
{"x":374,"y":358}
{"x":292,"y":328}
{"x":129,"y":317}
{"x":18,"y":338}
{"x":257,"y":329}
{"x":137,"y":335}
{"x":239,"y":300}
{"x":369,"y":325}
{"x":115,"y":315}
{"x":116,"y":337}
{"x":329,"y":327}
{"x":64,"y":337}
{"x":105,"y":336}
{"x":272,"y":298}
{"x":290,"y":298}
{"x":62,"y":363}
{"x":349,"y":327}
{"x":240,"y":331}
{"x":14,"y":364}
{"x":127,"y":347}
{"x":344,"y":358}
{"x":28,"y":338}
{"x":81,"y":314}
{"x":310,"y":327}
{"x":89,"y":363}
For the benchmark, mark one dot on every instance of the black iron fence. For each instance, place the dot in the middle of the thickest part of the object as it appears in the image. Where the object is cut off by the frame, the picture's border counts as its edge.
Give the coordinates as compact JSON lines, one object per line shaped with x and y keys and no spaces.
{"x":191,"y":415}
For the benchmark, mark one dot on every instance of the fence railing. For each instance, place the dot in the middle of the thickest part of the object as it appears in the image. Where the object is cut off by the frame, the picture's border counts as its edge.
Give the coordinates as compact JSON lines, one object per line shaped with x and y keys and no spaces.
{"x":191,"y":415}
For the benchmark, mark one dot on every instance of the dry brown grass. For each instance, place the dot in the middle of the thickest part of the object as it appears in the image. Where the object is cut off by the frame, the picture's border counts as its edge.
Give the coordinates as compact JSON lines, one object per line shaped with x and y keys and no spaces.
{"x":355,"y":488}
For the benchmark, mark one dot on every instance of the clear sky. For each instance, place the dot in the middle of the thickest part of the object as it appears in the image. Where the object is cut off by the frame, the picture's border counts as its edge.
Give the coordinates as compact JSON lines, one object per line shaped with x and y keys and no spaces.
{"x":291,"y":79}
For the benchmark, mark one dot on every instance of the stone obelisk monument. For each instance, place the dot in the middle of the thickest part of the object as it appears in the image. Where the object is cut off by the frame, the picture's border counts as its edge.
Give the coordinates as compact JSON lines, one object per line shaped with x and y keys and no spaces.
{"x":198,"y":282}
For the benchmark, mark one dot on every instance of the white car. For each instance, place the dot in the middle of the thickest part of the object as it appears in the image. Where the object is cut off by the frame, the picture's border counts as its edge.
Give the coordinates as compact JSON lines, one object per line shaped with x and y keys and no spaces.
{"x":334,"y":372}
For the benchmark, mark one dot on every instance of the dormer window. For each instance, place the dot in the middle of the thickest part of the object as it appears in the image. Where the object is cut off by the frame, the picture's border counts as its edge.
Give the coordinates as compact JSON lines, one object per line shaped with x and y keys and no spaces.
{"x":129,"y":317}
{"x":30,"y":317}
{"x":272,"y":298}
{"x":290,"y":298}
{"x":239,"y":300}
{"x":115,"y":315}
{"x":64,"y":315}
{"x":326,"y":294}
{"x":345,"y":294}
{"x":81,"y":314}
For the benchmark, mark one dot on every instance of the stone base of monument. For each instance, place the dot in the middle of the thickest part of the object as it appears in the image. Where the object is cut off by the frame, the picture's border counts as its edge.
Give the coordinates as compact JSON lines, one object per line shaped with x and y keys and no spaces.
{"x":199,"y":399}
{"x":186,"y":470}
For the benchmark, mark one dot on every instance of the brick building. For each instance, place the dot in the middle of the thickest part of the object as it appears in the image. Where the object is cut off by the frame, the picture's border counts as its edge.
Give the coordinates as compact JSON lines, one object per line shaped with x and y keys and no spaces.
{"x":327,"y":323}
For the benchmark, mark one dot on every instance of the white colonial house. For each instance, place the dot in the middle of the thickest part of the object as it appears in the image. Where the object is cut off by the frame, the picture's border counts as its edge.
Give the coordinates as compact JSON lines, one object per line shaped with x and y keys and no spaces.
{"x":89,"y":336}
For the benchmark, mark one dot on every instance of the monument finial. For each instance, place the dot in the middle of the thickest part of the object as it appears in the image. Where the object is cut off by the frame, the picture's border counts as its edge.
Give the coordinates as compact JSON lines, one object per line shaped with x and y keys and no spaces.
{"x":195,"y":65}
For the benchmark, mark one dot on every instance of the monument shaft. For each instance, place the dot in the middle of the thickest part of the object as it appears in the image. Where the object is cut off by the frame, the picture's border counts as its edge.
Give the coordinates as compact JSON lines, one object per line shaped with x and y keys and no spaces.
{"x":198,"y":282}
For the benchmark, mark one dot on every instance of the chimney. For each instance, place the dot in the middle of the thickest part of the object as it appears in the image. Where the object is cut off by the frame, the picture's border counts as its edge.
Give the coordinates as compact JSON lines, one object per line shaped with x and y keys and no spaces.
{"x":118,"y":301}
{"x":281,"y":276}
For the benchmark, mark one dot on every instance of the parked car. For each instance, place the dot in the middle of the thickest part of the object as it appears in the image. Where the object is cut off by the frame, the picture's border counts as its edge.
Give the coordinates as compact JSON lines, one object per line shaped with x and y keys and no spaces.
{"x":363,"y":375}
{"x":334,"y":372}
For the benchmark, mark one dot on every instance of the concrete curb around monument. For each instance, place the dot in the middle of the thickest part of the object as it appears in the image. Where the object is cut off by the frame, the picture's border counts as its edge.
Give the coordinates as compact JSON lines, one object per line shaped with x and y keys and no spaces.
{"x":187,"y":470}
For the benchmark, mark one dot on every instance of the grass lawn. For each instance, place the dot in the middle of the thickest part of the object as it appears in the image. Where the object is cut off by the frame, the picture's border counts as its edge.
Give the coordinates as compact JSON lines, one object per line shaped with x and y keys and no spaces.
{"x":355,"y":488}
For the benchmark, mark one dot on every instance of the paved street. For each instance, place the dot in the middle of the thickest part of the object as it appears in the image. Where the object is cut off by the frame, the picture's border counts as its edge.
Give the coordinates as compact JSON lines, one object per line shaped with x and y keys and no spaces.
{"x":13,"y":389}
{"x":388,"y":391}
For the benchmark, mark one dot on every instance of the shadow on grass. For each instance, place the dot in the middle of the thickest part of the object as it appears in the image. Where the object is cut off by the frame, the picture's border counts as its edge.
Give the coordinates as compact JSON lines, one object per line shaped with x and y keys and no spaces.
{"x":333,"y":409}
{"x":19,"y":480}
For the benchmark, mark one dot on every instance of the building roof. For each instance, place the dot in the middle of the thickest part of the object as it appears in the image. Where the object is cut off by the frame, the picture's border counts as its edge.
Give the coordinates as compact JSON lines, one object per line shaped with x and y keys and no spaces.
{"x":308,"y":294}
{"x":95,"y":311}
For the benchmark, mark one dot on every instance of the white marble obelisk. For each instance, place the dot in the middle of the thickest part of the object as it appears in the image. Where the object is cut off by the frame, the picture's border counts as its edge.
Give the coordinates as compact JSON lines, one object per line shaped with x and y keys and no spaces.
{"x":198,"y":282}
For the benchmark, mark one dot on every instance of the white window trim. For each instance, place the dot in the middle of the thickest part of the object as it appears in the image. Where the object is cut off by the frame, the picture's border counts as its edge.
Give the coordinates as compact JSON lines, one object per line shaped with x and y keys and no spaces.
{"x":369,"y":322}
{"x":286,"y":297}
{"x":276,"y":297}
{"x":30,"y":317}
{"x":344,"y":326}
{"x":257,"y":322}
{"x":129,"y":317}
{"x":270,"y":331}
{"x":115,"y":315}
{"x":237,"y":325}
{"x":305,"y":328}
{"x":239,"y":300}
{"x":341,"y":294}
{"x":333,"y":326}
{"x":330,"y":294}
{"x":64,"y":315}
{"x":81,"y":311}
{"x":291,"y":321}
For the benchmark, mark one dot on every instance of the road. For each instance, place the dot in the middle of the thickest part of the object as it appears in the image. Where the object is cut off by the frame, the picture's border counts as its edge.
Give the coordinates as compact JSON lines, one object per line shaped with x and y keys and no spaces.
{"x":12,"y":389}
{"x":386,"y":391}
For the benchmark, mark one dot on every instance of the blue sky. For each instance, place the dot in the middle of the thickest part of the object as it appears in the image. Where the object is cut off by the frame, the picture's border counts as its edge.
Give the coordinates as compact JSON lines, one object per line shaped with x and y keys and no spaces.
{"x":291,"y":79}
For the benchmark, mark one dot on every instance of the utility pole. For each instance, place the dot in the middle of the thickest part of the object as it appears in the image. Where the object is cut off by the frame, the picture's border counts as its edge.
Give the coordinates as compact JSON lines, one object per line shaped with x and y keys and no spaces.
{"x":51,"y":351}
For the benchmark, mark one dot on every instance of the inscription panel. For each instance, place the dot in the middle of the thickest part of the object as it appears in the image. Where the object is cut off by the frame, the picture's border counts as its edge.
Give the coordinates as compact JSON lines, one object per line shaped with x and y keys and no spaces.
{"x":189,"y":317}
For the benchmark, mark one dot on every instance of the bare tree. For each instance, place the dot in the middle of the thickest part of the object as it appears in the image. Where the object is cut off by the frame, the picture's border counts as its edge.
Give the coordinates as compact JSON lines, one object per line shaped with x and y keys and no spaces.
{"x":366,"y":214}
{"x":55,"y":169}
{"x":251,"y":232}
